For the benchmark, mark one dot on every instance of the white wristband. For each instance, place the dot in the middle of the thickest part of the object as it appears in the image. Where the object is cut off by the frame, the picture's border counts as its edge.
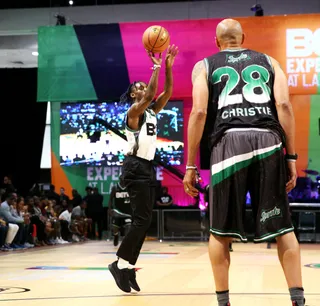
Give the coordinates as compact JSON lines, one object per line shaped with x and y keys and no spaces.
{"x":191,"y":168}
{"x":291,"y":160}
{"x":155,"y":67}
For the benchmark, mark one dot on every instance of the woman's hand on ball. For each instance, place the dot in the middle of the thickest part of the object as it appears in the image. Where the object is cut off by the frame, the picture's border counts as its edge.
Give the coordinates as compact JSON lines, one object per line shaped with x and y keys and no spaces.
{"x":171,"y":54}
{"x":155,"y":60}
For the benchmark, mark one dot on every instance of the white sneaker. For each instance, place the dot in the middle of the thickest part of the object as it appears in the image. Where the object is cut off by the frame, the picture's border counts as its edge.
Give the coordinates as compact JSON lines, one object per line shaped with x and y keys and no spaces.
{"x":75,"y":238}
{"x":28,"y":245}
{"x":62,"y":241}
{"x":57,"y":241}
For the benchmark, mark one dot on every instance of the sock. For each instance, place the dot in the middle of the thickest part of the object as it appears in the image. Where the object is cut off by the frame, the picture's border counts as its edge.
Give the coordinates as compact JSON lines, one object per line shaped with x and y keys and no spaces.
{"x":297,"y":295}
{"x":223,"y":297}
{"x":122,"y":264}
{"x":131,"y":266}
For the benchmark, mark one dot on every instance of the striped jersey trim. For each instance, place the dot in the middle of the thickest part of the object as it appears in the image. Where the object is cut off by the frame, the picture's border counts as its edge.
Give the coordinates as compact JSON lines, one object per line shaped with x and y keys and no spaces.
{"x":247,"y":129}
{"x":121,"y":213}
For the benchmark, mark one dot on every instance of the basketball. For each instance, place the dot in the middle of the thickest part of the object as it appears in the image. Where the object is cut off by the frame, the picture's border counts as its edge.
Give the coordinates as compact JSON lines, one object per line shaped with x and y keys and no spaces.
{"x":156,"y":39}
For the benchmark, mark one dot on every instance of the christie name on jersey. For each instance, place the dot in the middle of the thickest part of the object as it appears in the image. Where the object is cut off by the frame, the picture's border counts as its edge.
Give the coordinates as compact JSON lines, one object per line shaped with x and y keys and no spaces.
{"x":246,"y":112}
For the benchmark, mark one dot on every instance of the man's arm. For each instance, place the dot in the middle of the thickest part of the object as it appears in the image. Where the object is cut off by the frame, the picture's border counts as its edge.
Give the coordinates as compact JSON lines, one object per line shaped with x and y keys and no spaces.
{"x":284,"y":107}
{"x":198,"y":115}
{"x":8,"y":216}
{"x":197,"y":119}
{"x":286,"y":118}
{"x":138,"y":108}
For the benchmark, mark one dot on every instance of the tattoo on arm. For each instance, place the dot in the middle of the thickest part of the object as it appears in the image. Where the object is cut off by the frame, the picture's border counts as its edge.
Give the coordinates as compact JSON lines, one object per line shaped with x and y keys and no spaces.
{"x":197,"y":69}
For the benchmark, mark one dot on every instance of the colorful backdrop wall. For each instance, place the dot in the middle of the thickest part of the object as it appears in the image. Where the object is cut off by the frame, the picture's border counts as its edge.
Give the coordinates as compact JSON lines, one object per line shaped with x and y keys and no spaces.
{"x":97,"y":62}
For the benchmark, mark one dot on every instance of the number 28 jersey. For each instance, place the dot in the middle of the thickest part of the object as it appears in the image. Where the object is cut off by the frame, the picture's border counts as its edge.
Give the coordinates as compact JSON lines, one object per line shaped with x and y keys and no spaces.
{"x":240,"y":92}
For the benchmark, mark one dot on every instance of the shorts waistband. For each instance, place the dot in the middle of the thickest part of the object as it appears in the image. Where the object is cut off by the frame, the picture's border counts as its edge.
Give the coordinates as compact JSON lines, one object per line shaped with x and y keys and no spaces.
{"x":247,"y":129}
{"x":141,"y":160}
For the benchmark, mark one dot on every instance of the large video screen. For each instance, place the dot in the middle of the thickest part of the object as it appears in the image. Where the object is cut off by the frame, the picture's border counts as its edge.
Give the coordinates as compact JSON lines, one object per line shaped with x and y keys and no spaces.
{"x":85,"y":140}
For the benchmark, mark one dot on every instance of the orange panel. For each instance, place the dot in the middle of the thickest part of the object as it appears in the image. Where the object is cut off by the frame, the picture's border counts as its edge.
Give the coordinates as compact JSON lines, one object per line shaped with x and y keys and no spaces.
{"x":58,"y":177}
{"x":287,"y":39}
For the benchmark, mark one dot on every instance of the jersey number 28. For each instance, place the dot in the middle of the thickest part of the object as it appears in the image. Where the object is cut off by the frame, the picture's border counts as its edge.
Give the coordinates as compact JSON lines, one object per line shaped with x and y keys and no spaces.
{"x":226,"y":98}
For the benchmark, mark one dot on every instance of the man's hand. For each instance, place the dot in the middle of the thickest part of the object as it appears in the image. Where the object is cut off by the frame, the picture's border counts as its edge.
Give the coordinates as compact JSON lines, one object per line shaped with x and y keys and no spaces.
{"x":154,"y":59}
{"x":292,"y":176}
{"x":172,"y":52}
{"x":189,"y":181}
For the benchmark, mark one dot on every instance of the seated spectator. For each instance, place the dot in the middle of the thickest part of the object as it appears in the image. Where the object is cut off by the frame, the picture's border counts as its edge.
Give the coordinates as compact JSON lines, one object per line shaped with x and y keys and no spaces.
{"x":17,"y":210}
{"x":53,"y":226}
{"x":64,"y":205}
{"x":79,"y":221}
{"x":165,"y":200}
{"x":6,"y":214}
{"x":9,"y":230}
{"x":37,"y":220}
{"x":65,"y":221}
{"x":3,"y":236}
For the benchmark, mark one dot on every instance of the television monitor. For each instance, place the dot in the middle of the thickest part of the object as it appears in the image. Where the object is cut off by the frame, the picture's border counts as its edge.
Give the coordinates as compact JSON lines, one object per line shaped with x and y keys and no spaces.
{"x":84,"y":140}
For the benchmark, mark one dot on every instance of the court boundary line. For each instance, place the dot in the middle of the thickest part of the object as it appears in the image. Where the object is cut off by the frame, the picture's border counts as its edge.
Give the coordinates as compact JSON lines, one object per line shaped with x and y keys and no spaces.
{"x":149,"y":294}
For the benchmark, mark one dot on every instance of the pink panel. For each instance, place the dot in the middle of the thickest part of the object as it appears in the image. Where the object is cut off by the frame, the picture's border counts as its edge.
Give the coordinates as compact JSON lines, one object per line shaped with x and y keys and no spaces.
{"x":195,"y":39}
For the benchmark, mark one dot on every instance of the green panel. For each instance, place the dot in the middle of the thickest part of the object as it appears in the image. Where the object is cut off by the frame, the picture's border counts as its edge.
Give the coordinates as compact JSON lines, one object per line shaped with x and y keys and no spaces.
{"x":314,"y":137}
{"x":62,"y":70}
{"x":55,"y":129}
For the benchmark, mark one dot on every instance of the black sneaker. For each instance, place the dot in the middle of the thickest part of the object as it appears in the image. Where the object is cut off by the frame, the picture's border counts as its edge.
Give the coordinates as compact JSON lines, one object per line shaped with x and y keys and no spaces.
{"x":230,"y":247}
{"x":295,"y":303}
{"x":132,"y":280}
{"x":115,"y":240}
{"x":121,"y":276}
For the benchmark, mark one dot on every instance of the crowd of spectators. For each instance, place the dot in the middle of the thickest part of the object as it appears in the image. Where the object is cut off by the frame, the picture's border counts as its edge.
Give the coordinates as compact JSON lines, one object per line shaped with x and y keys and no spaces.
{"x":46,"y":218}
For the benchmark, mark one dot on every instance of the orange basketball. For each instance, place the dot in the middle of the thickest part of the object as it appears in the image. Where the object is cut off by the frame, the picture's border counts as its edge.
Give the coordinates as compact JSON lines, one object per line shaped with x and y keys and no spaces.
{"x":156,"y":39}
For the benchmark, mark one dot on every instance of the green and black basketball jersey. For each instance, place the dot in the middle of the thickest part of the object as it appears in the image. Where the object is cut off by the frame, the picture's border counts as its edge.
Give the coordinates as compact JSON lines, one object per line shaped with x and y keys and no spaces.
{"x":122,"y":200}
{"x":240,"y":92}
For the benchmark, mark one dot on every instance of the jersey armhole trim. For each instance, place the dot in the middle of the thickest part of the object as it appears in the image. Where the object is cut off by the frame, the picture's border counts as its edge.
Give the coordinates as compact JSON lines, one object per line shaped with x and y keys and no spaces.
{"x":269,"y":61}
{"x":151,"y":112}
{"x":138,"y":130}
{"x":205,"y":60}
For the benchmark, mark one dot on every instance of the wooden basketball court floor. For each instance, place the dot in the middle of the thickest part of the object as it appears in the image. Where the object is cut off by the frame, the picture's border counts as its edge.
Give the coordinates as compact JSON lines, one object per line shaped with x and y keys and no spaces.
{"x":171,"y":273}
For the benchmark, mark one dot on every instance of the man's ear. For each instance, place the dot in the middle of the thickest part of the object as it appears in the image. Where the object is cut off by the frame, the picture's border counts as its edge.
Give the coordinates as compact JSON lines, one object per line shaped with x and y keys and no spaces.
{"x":217,"y":42}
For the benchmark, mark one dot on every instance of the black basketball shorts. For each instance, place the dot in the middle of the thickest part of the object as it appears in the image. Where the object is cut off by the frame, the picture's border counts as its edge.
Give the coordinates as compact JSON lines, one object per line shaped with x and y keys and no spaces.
{"x":120,"y":222}
{"x":249,"y":160}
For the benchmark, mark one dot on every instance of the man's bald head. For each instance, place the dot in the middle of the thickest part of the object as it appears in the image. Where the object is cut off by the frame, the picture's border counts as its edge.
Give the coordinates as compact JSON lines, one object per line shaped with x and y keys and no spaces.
{"x":229,"y":33}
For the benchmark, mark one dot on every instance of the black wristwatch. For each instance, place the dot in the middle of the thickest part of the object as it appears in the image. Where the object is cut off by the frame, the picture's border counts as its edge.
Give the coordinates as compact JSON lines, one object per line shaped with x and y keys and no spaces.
{"x":292,"y":157}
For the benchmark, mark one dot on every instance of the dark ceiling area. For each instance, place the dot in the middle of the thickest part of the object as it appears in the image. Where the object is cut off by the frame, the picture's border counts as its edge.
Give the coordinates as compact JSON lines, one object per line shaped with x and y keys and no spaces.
{"x":15,"y":4}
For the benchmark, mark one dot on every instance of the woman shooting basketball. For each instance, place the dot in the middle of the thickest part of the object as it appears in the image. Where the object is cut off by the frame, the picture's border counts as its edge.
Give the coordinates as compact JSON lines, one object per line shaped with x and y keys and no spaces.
{"x":138,"y":174}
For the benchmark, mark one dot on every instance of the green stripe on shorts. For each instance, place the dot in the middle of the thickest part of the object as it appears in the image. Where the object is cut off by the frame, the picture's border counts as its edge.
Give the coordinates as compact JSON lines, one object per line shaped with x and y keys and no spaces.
{"x":228,"y":167}
{"x":270,"y":236}
{"x":231,"y":233}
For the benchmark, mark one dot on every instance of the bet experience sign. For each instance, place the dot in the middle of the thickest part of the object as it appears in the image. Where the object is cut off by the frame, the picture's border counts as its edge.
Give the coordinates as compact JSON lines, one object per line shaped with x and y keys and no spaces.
{"x":303,"y":58}
{"x":104,"y":177}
